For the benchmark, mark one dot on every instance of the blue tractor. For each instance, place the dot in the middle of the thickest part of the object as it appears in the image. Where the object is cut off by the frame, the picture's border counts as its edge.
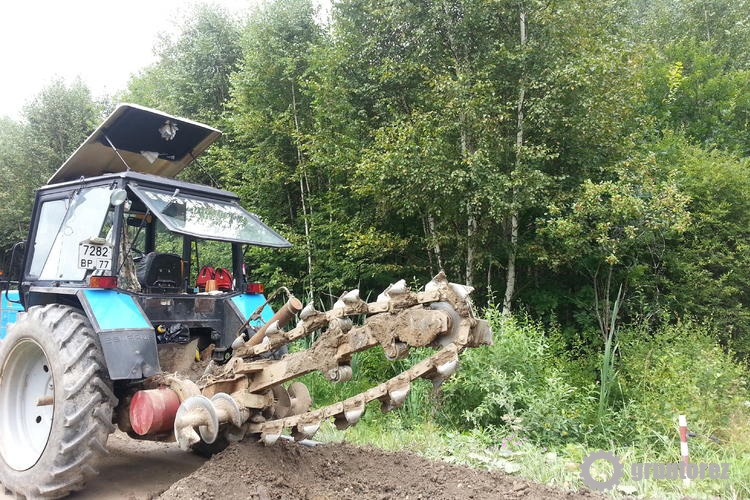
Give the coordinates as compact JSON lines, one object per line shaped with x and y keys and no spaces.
{"x":110,"y":305}
{"x":106,"y":279}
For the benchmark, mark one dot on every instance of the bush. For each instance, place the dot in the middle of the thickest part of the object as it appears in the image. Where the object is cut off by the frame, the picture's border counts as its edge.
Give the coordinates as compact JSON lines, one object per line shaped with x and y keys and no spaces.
{"x":518,"y":386}
{"x":679,"y":369}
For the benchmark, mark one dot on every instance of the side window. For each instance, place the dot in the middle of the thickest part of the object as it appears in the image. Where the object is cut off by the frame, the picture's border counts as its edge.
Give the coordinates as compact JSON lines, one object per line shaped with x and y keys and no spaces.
{"x":50,"y":219}
{"x":82,"y":220}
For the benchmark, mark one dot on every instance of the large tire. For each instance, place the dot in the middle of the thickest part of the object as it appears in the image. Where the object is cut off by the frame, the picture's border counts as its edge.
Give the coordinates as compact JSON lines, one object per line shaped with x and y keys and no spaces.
{"x":56,"y":344}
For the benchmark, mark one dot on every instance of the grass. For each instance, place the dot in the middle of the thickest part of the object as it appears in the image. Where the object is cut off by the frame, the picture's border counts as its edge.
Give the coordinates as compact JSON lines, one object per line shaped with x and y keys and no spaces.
{"x":528,"y":406}
{"x":556,"y":467}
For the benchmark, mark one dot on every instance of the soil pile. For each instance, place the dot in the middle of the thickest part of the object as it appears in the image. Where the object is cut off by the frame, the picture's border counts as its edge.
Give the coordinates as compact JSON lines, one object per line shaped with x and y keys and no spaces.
{"x":288,"y":470}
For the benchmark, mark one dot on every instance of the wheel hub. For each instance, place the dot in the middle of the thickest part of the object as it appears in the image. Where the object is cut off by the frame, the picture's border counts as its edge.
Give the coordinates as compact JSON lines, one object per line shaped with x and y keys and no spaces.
{"x":26,"y":405}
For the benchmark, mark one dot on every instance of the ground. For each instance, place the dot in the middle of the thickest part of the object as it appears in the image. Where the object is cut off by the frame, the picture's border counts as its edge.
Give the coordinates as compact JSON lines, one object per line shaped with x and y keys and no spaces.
{"x":136,"y":470}
{"x":146,"y":470}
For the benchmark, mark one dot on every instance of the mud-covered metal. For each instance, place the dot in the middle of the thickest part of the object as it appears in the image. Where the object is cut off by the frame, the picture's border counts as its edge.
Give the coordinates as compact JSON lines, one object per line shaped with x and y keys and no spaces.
{"x":440,"y":317}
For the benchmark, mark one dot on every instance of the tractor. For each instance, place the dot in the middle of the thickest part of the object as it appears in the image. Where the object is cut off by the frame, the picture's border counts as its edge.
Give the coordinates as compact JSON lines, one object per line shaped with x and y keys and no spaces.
{"x":110,"y":319}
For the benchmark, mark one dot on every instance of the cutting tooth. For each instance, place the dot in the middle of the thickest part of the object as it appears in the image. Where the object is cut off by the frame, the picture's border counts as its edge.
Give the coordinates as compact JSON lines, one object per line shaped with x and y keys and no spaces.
{"x":462,"y":291}
{"x":273,"y":328}
{"x":395,"y":397}
{"x":352,"y":416}
{"x":269,"y":439}
{"x":398,"y":288}
{"x":306,"y":431}
{"x":238,"y":342}
{"x":344,"y":324}
{"x":307,"y":311}
{"x":351,"y":297}
{"x":447,"y":369}
{"x":394,"y":289}
{"x":352,"y":412}
{"x":348,"y":418}
{"x":436,"y":283}
{"x":398,"y":396}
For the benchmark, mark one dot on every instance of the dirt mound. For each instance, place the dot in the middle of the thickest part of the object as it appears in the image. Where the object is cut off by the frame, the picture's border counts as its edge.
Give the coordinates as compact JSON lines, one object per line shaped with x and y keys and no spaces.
{"x":290,"y":471}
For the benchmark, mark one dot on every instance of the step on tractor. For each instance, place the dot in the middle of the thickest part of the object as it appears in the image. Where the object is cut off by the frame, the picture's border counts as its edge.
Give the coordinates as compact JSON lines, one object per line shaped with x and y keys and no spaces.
{"x":110,"y":320}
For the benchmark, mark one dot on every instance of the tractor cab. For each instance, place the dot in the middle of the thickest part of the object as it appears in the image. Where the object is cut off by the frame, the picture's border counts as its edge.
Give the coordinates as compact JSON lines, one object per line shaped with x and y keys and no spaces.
{"x":155,"y":263}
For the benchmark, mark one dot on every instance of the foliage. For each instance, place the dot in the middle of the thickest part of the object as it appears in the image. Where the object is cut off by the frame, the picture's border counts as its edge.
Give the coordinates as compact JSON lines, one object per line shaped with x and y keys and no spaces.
{"x":586,"y":144}
{"x":706,"y":275}
{"x":191,"y":76}
{"x":54,"y":123}
{"x":663,"y":377}
{"x":517,"y":385}
{"x":614,"y":228}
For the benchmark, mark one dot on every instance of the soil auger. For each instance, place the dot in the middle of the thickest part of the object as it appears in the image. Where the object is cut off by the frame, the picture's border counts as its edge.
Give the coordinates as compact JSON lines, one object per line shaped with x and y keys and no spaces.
{"x":246,"y":395}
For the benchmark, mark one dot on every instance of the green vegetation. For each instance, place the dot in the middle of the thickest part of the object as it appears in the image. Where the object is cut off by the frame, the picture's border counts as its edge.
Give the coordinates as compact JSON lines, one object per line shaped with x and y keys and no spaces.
{"x":528,"y":406}
{"x":582,"y":163}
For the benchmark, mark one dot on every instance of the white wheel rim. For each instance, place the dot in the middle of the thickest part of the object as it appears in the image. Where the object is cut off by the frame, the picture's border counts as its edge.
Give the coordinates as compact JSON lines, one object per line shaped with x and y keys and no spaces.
{"x":26,"y":377}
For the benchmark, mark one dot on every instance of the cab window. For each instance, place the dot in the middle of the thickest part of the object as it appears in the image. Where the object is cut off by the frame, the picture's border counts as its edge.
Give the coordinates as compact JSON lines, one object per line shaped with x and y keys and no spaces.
{"x":83,"y":217}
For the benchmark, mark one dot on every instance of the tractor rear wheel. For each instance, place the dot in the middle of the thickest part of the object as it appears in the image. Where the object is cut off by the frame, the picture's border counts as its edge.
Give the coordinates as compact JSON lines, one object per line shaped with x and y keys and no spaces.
{"x":56,"y":403}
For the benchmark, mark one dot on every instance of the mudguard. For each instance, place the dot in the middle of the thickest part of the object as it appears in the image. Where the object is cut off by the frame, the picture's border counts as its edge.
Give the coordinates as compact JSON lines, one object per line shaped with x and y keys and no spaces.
{"x":9,"y":308}
{"x":126,"y":334}
{"x":247,"y":303}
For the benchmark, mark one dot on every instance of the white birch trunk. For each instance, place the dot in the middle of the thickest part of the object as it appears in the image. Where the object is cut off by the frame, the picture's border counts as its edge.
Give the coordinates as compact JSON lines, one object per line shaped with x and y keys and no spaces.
{"x":510,"y":282}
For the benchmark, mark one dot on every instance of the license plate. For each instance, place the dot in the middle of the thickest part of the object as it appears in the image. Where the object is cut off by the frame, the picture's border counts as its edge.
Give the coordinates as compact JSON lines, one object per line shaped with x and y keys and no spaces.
{"x":93,"y":256}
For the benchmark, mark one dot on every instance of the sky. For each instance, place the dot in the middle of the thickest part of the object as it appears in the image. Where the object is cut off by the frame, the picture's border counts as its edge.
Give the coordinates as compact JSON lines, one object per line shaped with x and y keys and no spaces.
{"x":102,"y":41}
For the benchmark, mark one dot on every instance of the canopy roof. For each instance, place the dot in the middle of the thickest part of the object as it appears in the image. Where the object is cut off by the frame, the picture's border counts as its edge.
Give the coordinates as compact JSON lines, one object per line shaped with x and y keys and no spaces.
{"x":148,"y":141}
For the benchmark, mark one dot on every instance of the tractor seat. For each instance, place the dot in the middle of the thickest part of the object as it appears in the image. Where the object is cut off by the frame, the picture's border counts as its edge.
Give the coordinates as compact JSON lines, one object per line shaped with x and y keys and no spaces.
{"x":160,"y":272}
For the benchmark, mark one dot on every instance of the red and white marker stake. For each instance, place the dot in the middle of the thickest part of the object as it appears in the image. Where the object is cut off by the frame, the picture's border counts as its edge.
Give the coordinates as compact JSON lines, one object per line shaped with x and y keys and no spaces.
{"x":684,"y":445}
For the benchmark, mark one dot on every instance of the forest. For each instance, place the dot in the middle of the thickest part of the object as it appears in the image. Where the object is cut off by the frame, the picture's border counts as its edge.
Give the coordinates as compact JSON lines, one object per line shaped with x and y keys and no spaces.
{"x":583,"y":164}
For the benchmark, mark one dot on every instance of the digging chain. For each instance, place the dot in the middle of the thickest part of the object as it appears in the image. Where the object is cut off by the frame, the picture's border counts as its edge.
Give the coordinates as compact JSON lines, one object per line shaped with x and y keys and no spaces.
{"x":441,"y":317}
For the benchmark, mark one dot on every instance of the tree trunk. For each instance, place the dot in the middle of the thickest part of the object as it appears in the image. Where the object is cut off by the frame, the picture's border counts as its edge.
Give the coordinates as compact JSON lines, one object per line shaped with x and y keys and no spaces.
{"x":471,"y":229}
{"x":471,"y":223}
{"x":303,"y":176}
{"x":490,"y":300}
{"x":510,"y":282}
{"x":427,"y":238}
{"x":435,"y":242}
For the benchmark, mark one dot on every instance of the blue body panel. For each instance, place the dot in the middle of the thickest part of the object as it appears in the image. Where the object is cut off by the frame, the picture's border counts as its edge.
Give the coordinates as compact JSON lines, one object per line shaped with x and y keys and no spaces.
{"x":8,"y":311}
{"x":247,"y":303}
{"x":114,"y":310}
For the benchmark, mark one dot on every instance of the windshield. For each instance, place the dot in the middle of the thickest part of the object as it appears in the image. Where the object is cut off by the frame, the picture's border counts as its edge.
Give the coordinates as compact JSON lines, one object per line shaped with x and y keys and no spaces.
{"x":210,"y":219}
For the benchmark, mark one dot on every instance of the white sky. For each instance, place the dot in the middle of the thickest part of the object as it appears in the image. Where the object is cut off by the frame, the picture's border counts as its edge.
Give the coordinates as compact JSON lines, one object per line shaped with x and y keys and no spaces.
{"x":101,"y":41}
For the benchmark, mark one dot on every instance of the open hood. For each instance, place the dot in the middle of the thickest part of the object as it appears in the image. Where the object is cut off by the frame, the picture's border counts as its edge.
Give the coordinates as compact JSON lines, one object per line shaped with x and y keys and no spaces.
{"x":148,"y":141}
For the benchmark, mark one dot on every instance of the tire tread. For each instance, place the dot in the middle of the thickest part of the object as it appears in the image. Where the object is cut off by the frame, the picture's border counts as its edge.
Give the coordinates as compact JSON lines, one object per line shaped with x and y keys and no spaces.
{"x":87,"y":410}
